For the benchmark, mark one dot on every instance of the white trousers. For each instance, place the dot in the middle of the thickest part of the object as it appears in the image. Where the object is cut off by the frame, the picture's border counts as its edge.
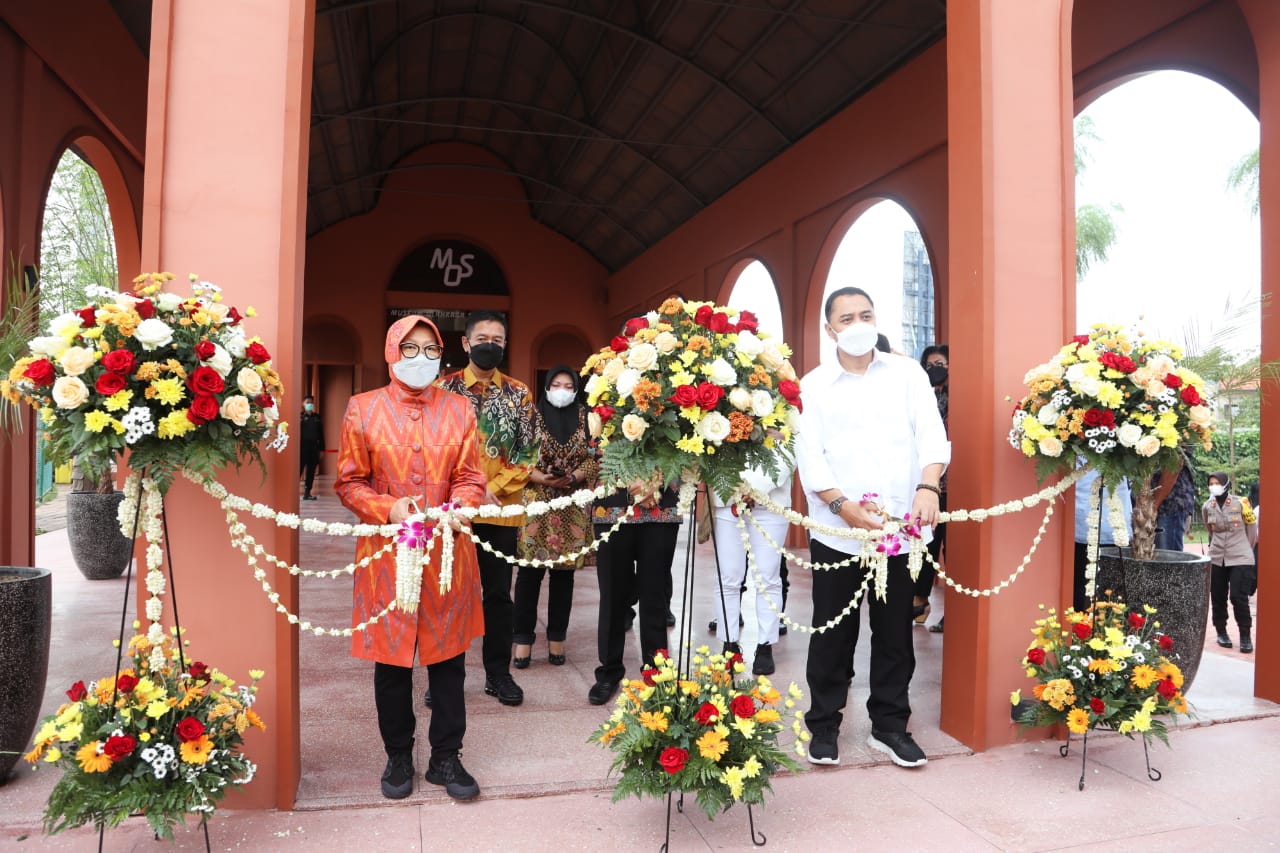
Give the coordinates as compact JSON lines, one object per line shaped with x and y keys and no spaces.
{"x":732,"y":557}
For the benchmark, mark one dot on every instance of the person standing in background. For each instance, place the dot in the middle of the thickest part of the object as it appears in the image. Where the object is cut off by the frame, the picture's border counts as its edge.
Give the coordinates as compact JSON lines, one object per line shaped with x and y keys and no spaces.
{"x":935,"y":362}
{"x":1233,"y":531}
{"x":311,"y":444}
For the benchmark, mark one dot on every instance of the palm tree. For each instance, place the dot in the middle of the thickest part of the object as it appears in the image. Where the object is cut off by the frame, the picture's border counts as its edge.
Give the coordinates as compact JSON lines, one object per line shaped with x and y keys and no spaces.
{"x":1095,"y":227}
{"x":19,"y":314}
{"x":1244,"y":178}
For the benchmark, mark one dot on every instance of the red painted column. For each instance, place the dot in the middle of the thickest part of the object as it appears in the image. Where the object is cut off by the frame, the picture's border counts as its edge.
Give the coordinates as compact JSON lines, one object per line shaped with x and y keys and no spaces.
{"x":1264,"y":21}
{"x":226,"y":155}
{"x":1011,"y":286}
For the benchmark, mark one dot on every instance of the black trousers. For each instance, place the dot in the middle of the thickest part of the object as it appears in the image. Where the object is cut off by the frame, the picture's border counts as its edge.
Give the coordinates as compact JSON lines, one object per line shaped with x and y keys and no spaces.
{"x":559,"y":602}
{"x":1234,"y":584}
{"x":924,"y":582}
{"x":393,"y":696}
{"x":309,"y":462}
{"x":634,"y":564}
{"x":829,"y":669}
{"x":495,"y":590}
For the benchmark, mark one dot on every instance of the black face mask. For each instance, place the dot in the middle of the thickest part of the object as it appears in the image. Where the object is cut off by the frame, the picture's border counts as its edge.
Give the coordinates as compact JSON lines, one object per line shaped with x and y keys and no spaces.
{"x":486,"y":356}
{"x":937,"y":374}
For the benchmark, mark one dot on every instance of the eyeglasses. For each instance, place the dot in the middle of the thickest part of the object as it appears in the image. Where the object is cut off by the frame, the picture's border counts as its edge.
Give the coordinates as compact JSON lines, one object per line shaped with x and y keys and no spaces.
{"x":411,"y":350}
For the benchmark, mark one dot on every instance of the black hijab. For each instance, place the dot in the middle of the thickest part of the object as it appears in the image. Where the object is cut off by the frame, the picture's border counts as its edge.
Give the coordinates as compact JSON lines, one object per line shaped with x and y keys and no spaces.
{"x":561,"y":423}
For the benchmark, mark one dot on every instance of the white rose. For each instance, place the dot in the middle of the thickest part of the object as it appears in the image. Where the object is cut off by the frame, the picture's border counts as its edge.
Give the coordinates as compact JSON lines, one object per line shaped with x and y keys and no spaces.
{"x":1200,"y":415}
{"x":235,"y":343}
{"x":793,"y":419}
{"x":1149,"y":445}
{"x":1129,"y":434}
{"x":1051,"y":446}
{"x":271,"y":414}
{"x":595,"y":385}
{"x":249,"y":382}
{"x":633,"y":427}
{"x":49,"y":346}
{"x":594,"y":424}
{"x":66,"y":325}
{"x":76,"y":360}
{"x":1073,"y":375}
{"x":771,"y":357}
{"x":748,"y":344}
{"x":761,"y":403}
{"x":220,"y":361}
{"x":614,"y":369}
{"x":236,"y":409}
{"x":714,"y":427}
{"x":652,"y":317}
{"x":69,"y":392}
{"x":740,"y":398}
{"x":721,"y":373}
{"x":1088,"y":386}
{"x":642,"y":356}
{"x":167,"y":301}
{"x":666,"y":343}
{"x":1048,"y":415}
{"x":627,"y":383}
{"x":153,"y":333}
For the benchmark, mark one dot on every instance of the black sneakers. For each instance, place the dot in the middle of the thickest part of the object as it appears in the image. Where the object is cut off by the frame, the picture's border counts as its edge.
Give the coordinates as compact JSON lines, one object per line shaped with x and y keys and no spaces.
{"x":397,"y":779}
{"x":601,"y":692}
{"x":505,"y":688}
{"x":824,"y":748}
{"x":763,"y":664}
{"x":447,"y":770}
{"x":899,"y":746}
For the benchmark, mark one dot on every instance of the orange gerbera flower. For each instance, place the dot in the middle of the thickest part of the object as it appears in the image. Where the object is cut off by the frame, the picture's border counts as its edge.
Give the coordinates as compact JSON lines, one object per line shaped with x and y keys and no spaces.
{"x":91,"y":758}
{"x":196,"y":751}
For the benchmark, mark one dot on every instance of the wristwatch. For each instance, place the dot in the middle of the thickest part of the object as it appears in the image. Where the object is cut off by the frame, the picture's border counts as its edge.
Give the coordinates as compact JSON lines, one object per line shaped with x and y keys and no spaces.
{"x":835,"y":505}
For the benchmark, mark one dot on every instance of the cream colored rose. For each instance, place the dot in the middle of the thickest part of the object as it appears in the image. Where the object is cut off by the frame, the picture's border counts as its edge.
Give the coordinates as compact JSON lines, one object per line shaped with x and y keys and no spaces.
{"x":1129,"y":434}
{"x":771,"y":357}
{"x":761,"y":403}
{"x":236,"y":409}
{"x":69,"y":392}
{"x":627,"y":382}
{"x":1154,"y":388}
{"x":1142,"y":376}
{"x":721,"y":373}
{"x":217,"y":311}
{"x":787,"y":373}
{"x":594,"y":424}
{"x":714,"y":427}
{"x":740,"y":398}
{"x":127,"y":301}
{"x":249,"y":382}
{"x":748,"y":344}
{"x":1148,"y":445}
{"x":76,"y":360}
{"x":153,"y":333}
{"x":633,"y":427}
{"x":642,"y":357}
{"x":1051,"y":446}
{"x":1161,"y":365}
{"x":666,"y":343}
{"x":613,"y":370}
{"x":1200,"y":416}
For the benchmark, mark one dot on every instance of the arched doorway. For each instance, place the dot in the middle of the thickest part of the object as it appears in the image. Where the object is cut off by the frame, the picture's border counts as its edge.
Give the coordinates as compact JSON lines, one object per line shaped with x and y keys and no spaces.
{"x":558,"y":345}
{"x":753,"y":290}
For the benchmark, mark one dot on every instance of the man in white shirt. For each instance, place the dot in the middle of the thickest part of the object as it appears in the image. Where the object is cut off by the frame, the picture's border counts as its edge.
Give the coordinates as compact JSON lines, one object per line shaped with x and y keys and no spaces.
{"x":871,"y":445}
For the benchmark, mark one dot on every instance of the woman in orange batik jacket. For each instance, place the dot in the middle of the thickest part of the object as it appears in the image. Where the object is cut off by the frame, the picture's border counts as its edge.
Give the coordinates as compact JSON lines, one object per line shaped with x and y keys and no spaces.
{"x":409,"y":441}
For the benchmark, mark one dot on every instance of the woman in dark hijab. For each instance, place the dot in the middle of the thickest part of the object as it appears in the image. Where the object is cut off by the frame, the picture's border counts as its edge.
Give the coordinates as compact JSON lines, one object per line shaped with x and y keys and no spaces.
{"x":565,"y":464}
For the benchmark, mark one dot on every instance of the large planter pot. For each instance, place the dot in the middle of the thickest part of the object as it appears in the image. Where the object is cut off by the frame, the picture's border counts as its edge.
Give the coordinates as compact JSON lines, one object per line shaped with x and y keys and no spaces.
{"x":101,"y":552}
{"x":1176,"y":584}
{"x":25,"y":612}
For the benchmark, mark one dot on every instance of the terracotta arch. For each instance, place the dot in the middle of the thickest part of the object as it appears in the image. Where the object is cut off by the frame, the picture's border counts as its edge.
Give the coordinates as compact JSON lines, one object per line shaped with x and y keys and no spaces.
{"x":1086,"y":96}
{"x":549,"y":335}
{"x":316,"y":326}
{"x":735,"y":272}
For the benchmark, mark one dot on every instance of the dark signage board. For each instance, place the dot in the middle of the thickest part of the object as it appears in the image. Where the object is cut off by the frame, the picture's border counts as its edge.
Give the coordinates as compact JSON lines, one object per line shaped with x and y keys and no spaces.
{"x":449,"y":266}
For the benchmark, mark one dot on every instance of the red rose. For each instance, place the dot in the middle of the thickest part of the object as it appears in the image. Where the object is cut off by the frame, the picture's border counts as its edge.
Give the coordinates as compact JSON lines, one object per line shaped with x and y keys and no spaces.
{"x":1191,"y":396}
{"x":233,"y":317}
{"x":257,"y":353}
{"x":1080,"y":340}
{"x":1165,"y":642}
{"x":40,"y":372}
{"x":77,"y":692}
{"x":1136,"y":620}
{"x":647,"y":675}
{"x":790,"y":391}
{"x":1093,"y":417}
{"x":1082,"y":630}
{"x":189,"y":729}
{"x":742,"y":706}
{"x":707,"y":714}
{"x":88,"y":316}
{"x":199,"y":671}
{"x":146,"y":309}
{"x":126,"y":682}
{"x":264,"y":401}
{"x":205,"y":380}
{"x":1108,"y":419}
{"x":110,"y":383}
{"x":205,"y":350}
{"x":1097,"y":705}
{"x":685,"y":396}
{"x":703,"y":315}
{"x":1172,"y":380}
{"x":1035,"y":656}
{"x":119,"y":361}
{"x":118,"y":747}
{"x":673,"y":759}
{"x":1115,"y":361}
{"x":204,"y":408}
{"x":709,"y":396}
{"x":605,"y":412}
{"x":634,"y":325}
{"x":719,"y":323}
{"x":663,"y":652}
{"x":1167,"y":688}
{"x":747,"y":322}
{"x":619,"y":344}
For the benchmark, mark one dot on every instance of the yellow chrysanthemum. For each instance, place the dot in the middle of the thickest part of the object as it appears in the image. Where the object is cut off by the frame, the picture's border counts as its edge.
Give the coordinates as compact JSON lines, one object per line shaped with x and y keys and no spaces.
{"x":96,"y":421}
{"x":91,"y":758}
{"x":118,"y":401}
{"x":1078,"y":721}
{"x":169,"y":391}
{"x":691,"y":444}
{"x":751,"y":767}
{"x":174,"y":425}
{"x":196,"y":751}
{"x":733,"y":778}
{"x":712,"y":745}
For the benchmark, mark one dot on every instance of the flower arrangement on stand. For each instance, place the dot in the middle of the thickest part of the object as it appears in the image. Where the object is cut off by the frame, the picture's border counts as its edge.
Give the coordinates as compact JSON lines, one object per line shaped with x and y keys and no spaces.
{"x":163,"y":740}
{"x":694,"y":391}
{"x":714,"y":733}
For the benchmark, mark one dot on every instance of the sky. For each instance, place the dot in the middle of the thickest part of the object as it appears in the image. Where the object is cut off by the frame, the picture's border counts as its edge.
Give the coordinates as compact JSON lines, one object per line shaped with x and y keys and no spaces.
{"x":1185,"y":244}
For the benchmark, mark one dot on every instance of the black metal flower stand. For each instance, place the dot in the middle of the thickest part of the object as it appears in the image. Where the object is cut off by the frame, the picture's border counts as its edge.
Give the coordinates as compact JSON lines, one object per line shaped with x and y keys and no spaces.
{"x":684,"y":655}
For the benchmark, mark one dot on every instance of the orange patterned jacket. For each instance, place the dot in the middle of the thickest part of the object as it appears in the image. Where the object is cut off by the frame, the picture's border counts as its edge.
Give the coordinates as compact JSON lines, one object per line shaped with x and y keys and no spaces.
{"x":397,"y":443}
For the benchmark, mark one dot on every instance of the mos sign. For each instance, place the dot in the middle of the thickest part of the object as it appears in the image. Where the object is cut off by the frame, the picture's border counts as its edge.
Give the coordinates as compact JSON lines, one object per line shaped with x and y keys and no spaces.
{"x":449,"y":266}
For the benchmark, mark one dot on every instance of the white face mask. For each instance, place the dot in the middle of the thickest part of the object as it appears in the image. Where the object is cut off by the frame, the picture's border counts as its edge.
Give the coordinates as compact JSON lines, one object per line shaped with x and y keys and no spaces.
{"x":857,"y":339}
{"x":560,"y":397}
{"x":417,"y":372}
{"x":1217,"y":491}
